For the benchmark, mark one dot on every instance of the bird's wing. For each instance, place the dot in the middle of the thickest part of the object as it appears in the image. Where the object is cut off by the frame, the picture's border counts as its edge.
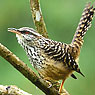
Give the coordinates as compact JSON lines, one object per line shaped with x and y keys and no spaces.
{"x":59,"y":52}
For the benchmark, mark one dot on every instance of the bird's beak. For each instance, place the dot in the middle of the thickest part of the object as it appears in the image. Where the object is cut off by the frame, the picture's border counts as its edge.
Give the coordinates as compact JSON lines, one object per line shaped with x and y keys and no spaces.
{"x":14,"y":30}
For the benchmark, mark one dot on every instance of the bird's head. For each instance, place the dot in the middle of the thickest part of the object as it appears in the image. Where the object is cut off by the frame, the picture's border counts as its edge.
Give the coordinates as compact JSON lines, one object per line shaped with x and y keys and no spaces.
{"x":25,"y":34}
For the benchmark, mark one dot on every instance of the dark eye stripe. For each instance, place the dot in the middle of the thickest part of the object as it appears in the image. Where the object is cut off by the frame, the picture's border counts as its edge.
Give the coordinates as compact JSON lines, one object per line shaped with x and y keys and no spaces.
{"x":25,"y":32}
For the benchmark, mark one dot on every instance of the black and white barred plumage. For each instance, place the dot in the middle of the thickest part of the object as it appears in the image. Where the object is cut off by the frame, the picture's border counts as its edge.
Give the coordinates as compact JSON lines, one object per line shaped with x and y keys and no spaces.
{"x":55,"y":60}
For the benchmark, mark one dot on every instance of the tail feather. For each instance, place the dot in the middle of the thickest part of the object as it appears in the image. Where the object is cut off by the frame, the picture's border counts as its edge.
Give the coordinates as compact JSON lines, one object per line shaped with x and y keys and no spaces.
{"x":73,"y":76}
{"x":84,"y":24}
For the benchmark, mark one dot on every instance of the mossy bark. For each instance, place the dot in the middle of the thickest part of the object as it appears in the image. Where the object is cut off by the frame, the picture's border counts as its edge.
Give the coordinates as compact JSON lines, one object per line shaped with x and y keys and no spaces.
{"x":38,"y":18}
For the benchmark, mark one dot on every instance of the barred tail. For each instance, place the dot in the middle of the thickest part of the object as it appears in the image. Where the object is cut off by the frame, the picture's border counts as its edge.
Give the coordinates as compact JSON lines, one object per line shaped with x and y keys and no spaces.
{"x":85,"y":23}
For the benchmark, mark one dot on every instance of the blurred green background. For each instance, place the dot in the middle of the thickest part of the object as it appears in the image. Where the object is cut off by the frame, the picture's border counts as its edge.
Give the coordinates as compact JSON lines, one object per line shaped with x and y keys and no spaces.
{"x":61,"y":17}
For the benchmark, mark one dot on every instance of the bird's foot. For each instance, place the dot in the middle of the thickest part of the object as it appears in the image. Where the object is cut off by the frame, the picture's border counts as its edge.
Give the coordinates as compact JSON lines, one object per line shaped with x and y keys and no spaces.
{"x":54,"y":84}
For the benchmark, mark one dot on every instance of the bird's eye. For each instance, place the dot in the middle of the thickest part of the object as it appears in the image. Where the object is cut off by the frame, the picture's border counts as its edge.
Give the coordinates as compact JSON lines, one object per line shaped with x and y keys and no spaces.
{"x":26,"y":32}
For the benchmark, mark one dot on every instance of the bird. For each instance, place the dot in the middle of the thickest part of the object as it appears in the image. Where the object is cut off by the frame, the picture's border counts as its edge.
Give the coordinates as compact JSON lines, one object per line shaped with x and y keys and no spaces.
{"x":52,"y":59}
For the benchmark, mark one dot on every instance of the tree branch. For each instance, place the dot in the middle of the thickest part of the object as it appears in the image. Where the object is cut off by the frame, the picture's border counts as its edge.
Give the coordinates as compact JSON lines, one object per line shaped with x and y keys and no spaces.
{"x":26,"y":71}
{"x":12,"y":90}
{"x":38,"y":18}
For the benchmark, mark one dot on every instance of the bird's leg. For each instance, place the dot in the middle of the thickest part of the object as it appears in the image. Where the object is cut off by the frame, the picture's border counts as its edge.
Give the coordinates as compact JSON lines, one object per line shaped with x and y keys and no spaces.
{"x":60,"y":89}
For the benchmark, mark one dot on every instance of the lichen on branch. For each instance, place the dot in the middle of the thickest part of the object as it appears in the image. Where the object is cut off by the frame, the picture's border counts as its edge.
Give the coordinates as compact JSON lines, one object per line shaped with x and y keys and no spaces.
{"x":38,"y":18}
{"x":12,"y":90}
